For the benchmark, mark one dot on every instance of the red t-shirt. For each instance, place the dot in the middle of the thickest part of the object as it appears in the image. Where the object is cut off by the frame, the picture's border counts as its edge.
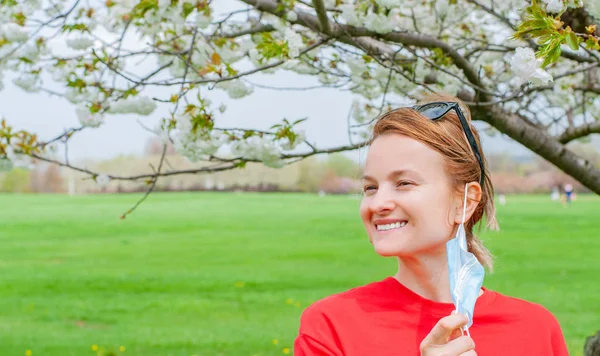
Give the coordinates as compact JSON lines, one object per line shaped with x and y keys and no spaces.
{"x":385,"y":318}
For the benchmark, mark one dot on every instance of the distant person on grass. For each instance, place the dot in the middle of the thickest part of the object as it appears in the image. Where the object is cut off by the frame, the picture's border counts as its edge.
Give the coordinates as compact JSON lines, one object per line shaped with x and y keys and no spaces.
{"x":424,"y":187}
{"x":568,"y":193}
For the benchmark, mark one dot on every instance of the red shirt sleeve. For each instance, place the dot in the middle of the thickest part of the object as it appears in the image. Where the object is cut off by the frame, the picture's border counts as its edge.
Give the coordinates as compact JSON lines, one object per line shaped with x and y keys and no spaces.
{"x":559,"y":347}
{"x":306,"y":345}
{"x":316,"y":336}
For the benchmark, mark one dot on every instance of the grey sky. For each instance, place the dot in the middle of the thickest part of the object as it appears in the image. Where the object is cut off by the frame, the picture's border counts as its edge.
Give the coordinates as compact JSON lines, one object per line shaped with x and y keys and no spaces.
{"x":327,"y":110}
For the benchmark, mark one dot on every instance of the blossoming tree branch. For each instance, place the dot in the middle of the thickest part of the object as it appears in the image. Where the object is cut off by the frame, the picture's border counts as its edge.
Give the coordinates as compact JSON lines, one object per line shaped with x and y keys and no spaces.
{"x":527,"y":68}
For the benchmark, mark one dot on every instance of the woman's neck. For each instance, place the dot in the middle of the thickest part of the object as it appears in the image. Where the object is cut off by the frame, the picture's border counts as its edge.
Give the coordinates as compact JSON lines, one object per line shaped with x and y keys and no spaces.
{"x":427,"y":277}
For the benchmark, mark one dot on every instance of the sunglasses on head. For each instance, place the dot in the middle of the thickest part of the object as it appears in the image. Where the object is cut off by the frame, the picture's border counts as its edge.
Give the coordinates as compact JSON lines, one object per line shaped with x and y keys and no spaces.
{"x":436,"y":110}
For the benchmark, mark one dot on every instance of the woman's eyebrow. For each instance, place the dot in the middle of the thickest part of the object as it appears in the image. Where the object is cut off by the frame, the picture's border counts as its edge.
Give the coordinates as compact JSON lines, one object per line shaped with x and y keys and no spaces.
{"x":392,"y":174}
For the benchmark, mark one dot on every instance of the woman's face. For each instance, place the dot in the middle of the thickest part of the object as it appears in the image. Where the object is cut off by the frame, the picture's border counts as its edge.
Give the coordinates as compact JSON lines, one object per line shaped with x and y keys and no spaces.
{"x":409,"y":205}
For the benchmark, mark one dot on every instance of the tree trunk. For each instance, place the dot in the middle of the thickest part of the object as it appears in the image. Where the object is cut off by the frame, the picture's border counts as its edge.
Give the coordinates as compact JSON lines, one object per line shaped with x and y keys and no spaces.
{"x":541,"y":143}
{"x":592,"y":345}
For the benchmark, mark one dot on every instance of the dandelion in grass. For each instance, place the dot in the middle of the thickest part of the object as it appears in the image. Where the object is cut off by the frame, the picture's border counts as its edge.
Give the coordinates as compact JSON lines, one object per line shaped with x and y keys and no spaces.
{"x":289,"y":301}
{"x":122,"y":348}
{"x":286,"y":350}
{"x":28,"y":353}
{"x":94,"y":347}
{"x":239,"y":284}
{"x":297,"y":304}
{"x":275,"y":341}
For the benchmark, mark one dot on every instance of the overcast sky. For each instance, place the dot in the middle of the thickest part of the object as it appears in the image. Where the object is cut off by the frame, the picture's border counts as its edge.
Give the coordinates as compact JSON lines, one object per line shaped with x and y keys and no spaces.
{"x":326,"y":109}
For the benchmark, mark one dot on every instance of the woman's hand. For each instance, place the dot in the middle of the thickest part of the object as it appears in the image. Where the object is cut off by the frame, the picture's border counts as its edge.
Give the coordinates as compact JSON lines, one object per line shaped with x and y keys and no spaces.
{"x":446,"y":339}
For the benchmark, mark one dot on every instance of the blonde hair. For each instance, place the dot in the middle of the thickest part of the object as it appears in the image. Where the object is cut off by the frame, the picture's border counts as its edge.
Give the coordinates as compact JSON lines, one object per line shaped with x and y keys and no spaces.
{"x":447,"y":137}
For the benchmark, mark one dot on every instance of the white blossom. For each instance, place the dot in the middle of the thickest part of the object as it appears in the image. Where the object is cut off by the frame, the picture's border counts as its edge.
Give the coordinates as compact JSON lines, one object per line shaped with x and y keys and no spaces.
{"x":554,"y":6}
{"x":29,"y":51}
{"x":527,"y":67}
{"x":80,"y":43}
{"x":202,"y":20}
{"x":14,"y":33}
{"x":350,"y":15}
{"x":257,"y":148}
{"x":379,"y":23}
{"x":442,"y":7}
{"x":27,"y":83}
{"x":142,"y":105}
{"x":362,"y":113}
{"x":17,"y":160}
{"x":592,"y":7}
{"x":196,"y":145}
{"x":102,"y":180}
{"x":287,"y":145}
{"x":291,"y":16}
{"x":235,"y":88}
{"x":87,"y":118}
{"x":294,"y":42}
{"x":390,"y":4}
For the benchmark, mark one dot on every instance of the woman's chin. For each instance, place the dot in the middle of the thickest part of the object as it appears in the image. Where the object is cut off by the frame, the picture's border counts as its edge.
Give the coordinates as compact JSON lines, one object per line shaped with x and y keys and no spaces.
{"x":389,"y":248}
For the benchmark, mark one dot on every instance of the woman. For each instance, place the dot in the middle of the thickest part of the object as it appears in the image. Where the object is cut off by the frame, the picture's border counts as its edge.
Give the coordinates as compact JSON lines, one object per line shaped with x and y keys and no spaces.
{"x":422,"y":162}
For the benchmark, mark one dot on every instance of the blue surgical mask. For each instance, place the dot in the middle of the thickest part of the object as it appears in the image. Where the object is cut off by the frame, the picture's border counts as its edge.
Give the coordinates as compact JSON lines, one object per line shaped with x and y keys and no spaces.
{"x":466,"y":273}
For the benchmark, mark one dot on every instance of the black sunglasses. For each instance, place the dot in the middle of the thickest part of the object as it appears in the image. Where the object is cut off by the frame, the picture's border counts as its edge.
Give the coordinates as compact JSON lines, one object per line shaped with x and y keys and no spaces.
{"x":436,"y":110}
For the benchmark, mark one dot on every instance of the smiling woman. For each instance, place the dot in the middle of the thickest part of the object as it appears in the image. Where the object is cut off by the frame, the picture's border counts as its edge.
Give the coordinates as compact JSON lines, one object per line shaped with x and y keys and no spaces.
{"x":424,"y":183}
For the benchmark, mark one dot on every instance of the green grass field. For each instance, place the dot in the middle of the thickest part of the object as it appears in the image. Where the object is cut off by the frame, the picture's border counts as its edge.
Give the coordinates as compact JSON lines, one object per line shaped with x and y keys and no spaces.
{"x":229,"y":274}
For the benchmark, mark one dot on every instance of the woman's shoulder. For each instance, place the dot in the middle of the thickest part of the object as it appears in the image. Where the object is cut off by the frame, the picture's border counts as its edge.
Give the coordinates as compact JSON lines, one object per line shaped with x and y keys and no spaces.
{"x":341,"y":301}
{"x":507,"y":305}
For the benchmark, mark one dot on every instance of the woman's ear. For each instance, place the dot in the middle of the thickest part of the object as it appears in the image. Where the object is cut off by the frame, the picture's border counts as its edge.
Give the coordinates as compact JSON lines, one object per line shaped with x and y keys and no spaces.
{"x":473,"y":198}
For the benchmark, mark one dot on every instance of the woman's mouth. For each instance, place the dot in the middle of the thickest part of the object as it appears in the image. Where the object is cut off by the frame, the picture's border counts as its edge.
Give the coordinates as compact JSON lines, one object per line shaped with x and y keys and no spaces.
{"x":391,"y":226}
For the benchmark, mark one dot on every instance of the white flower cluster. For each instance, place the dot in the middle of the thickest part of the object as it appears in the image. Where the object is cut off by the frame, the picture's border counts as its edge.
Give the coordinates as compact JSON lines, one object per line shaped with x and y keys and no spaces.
{"x":369,"y":82}
{"x":592,"y":7}
{"x":362,"y":112}
{"x":80,"y":43}
{"x":90,"y":94}
{"x":390,"y":4}
{"x":14,"y":160}
{"x":291,"y":16}
{"x":376,"y":22}
{"x":87,"y":118}
{"x":527,"y":67}
{"x":287,"y":145}
{"x":14,"y":33}
{"x":136,"y":105}
{"x":231,"y":53}
{"x":236,"y":89}
{"x":27,"y":82}
{"x":554,"y":6}
{"x":102,"y":180}
{"x":196,"y":146}
{"x":259,"y":148}
{"x":294,"y":42}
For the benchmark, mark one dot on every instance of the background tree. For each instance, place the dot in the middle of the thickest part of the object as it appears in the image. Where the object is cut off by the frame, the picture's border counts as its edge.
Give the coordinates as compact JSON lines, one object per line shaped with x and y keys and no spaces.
{"x":528,"y":69}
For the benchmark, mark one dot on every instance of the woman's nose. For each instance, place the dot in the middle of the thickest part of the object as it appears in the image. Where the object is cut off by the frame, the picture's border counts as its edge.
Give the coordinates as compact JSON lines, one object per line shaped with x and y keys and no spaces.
{"x":382,"y":201}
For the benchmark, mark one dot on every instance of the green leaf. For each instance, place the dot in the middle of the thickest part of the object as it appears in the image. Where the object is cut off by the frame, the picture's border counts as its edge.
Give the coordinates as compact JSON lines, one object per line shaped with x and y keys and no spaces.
{"x":552,"y":56}
{"x":299,"y":121}
{"x":572,"y":41}
{"x":187,"y":9}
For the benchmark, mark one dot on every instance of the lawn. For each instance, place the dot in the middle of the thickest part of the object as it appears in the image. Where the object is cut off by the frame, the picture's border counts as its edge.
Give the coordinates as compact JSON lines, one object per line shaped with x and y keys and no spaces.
{"x":230,"y":273}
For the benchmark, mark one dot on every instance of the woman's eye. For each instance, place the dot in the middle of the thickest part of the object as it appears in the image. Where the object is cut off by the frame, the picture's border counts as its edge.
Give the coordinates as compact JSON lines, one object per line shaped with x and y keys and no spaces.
{"x":369,"y":188}
{"x":403,"y":183}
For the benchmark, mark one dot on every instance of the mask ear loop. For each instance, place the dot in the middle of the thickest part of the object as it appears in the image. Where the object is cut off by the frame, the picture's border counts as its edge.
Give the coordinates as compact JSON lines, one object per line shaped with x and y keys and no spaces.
{"x":465,"y":329}
{"x":465,"y":204}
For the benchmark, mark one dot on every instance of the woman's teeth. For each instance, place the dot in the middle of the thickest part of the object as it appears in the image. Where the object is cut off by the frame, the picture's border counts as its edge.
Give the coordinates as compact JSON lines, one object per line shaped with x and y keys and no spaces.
{"x":387,"y":227}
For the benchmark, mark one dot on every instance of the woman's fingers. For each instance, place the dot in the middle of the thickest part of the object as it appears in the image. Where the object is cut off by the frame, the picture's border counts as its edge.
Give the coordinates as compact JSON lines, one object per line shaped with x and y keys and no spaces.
{"x":470,"y":353}
{"x":459,"y":346}
{"x":444,"y":328}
